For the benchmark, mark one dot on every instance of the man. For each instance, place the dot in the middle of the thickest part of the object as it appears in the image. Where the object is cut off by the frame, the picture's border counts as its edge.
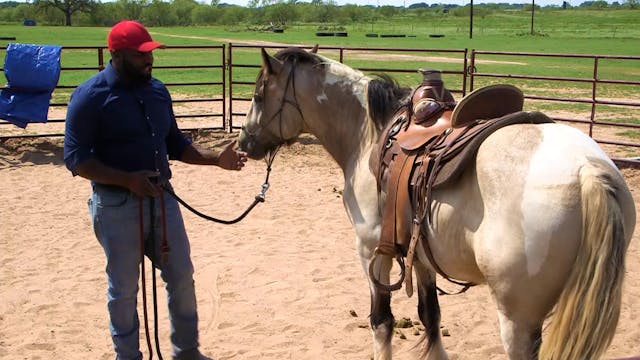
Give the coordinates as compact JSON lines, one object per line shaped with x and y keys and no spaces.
{"x":120,"y":132}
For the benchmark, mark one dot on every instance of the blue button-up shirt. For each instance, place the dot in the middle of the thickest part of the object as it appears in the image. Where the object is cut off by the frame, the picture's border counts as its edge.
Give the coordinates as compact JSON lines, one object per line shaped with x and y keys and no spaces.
{"x":125,"y":127}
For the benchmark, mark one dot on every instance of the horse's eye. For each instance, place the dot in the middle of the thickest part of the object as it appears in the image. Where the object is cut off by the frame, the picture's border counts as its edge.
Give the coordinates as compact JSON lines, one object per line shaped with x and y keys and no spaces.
{"x":257,"y":98}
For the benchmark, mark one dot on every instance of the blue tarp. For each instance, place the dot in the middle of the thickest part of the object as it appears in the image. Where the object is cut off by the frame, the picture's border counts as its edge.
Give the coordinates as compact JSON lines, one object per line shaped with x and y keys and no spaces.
{"x":32,"y":73}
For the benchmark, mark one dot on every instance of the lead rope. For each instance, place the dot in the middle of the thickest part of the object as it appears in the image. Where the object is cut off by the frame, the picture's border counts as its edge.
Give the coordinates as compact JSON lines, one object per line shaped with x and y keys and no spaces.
{"x":164,"y":248}
{"x":258,"y":199}
{"x":165,"y":245}
{"x":144,"y":286}
{"x":165,"y":252}
{"x":152,"y":215}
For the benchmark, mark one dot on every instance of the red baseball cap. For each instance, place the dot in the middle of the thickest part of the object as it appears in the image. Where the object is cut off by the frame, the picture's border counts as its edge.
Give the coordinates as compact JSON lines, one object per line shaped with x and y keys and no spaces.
{"x":129,"y":34}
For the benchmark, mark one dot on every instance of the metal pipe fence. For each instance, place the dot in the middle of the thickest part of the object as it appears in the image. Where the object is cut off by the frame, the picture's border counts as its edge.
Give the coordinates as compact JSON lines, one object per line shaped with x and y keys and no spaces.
{"x":209,"y":83}
{"x":352,"y":56}
{"x":217,"y":83}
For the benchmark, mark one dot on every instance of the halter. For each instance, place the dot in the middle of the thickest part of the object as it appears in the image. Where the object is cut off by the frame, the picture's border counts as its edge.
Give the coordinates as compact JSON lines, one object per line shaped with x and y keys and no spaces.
{"x":291,"y":83}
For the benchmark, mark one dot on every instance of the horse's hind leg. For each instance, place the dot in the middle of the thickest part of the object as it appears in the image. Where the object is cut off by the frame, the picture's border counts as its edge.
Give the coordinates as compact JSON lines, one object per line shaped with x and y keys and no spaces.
{"x":521,"y":339}
{"x":381,"y":318}
{"x":429,"y":312}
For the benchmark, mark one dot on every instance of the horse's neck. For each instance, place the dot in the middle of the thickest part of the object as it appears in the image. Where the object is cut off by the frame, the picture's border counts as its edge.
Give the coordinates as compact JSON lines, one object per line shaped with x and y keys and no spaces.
{"x":342,"y":124}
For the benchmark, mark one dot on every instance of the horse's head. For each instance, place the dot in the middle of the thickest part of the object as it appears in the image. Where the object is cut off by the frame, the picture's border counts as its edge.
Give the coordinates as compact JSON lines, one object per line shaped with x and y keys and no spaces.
{"x":275,"y":116}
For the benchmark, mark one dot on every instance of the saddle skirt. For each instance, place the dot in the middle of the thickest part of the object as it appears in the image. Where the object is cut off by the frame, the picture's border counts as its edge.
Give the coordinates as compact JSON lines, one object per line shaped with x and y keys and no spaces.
{"x":418,"y":153}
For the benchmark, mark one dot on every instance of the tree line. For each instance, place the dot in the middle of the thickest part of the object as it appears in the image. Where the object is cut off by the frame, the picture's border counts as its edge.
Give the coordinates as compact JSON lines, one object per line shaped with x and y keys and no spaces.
{"x":257,"y":12}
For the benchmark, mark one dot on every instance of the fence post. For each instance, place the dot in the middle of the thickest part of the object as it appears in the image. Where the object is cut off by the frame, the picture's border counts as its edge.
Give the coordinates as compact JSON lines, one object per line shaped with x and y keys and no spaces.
{"x":593,"y":96}
{"x":224,"y":89}
{"x":230,"y":72}
{"x":464,"y":73}
{"x":100,"y":59}
{"x":471,"y":69}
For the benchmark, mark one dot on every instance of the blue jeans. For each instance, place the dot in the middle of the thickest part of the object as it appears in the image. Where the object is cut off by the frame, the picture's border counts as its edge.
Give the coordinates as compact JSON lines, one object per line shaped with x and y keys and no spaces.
{"x":115,"y":216}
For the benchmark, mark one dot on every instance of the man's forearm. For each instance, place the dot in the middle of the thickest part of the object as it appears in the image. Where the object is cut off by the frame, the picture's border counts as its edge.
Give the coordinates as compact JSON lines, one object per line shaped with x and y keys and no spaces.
{"x":199,"y":156}
{"x":137,"y":182}
{"x":95,"y":170}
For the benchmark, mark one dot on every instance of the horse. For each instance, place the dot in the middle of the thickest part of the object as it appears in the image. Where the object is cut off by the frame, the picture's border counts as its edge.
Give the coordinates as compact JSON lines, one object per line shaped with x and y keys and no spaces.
{"x":543,"y":217}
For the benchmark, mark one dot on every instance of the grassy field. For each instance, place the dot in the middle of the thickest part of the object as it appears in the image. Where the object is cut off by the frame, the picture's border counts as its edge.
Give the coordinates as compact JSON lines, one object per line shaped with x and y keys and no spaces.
{"x":556,"y":31}
{"x":574,"y":31}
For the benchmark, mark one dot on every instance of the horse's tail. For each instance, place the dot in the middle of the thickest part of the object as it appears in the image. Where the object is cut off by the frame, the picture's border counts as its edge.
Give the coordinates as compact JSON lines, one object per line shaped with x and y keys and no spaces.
{"x":586,"y":314}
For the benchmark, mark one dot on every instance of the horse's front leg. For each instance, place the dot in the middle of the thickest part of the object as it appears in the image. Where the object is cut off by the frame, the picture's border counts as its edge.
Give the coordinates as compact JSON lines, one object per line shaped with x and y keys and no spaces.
{"x":381,"y":318}
{"x":429,"y":312}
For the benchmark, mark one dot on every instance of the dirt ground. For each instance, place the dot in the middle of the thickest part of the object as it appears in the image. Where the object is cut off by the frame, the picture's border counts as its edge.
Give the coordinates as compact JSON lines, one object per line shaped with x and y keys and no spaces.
{"x":285,"y":283}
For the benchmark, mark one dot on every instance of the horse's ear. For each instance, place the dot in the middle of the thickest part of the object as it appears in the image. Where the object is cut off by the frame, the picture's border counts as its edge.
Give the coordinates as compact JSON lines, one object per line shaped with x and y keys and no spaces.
{"x":270,"y":64}
{"x":314,"y":49}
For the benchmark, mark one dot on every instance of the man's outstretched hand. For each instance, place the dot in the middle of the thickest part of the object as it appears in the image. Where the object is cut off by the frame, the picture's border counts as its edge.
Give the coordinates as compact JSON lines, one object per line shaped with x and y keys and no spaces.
{"x":232,"y":159}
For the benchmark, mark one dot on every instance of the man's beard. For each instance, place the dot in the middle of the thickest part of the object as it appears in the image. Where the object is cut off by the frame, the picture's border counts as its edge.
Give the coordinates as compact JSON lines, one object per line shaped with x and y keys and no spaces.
{"x":134,"y":74}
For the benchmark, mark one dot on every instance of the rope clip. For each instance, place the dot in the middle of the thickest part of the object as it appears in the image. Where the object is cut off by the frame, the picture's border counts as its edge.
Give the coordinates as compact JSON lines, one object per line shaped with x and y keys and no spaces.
{"x":263,"y":193}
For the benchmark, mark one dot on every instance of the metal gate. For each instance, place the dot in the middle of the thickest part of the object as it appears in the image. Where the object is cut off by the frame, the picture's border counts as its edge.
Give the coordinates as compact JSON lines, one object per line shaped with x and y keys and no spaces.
{"x":214,"y":90}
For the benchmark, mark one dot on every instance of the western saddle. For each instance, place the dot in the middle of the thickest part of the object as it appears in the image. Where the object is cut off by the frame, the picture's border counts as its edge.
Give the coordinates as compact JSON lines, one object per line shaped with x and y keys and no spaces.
{"x":428,"y":144}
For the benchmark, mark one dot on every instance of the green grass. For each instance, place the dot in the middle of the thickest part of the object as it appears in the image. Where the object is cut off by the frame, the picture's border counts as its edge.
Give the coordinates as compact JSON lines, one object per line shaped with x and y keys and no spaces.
{"x":565,"y":31}
{"x":608,"y":32}
{"x":631,"y":134}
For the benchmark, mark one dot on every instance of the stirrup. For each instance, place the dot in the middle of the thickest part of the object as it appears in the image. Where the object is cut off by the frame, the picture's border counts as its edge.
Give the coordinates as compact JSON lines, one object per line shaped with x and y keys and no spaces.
{"x":387,"y":287}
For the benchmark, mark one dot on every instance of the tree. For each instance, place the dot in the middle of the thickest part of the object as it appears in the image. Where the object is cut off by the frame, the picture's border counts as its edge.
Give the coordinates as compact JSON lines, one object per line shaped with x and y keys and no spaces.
{"x":22,"y":12}
{"x":353,"y":13}
{"x":205,"y":14}
{"x":68,"y":7}
{"x":183,"y":10}
{"x":234,"y":15}
{"x":131,"y":9}
{"x":281,"y":13}
{"x":600,"y":4}
{"x":159,"y":13}
{"x":387,"y":11}
{"x":322,"y":11}
{"x":105,"y":14}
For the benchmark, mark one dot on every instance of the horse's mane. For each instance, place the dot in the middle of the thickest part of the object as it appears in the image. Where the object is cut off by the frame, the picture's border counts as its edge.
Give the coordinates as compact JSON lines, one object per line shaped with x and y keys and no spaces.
{"x":294,"y":53}
{"x":385,"y":97}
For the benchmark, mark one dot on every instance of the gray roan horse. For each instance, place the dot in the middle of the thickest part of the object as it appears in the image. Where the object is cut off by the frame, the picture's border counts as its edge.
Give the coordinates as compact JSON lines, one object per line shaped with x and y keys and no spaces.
{"x":543,"y":216}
